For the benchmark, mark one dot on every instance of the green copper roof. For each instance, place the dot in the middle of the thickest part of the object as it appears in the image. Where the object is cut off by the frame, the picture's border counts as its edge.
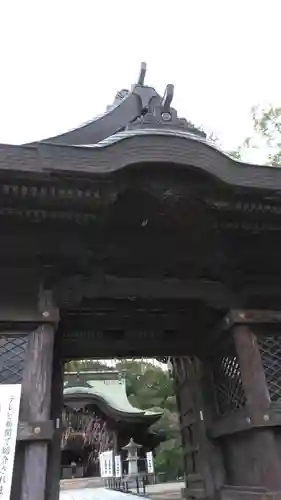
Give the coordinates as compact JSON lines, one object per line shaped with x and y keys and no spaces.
{"x":110,"y":387}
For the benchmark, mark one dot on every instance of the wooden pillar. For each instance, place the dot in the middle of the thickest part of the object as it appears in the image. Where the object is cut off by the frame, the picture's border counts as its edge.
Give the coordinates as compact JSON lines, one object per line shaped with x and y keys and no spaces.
{"x":54,"y":456}
{"x":36,"y":399}
{"x":247,"y":422}
{"x":188,"y":373}
{"x":251,"y":366}
{"x":36,"y":406}
{"x":262,"y":446}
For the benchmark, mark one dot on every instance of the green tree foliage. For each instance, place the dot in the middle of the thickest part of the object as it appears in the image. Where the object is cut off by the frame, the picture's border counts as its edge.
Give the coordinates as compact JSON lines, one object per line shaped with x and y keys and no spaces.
{"x":167,"y":425}
{"x":147,"y":385}
{"x":266,"y":134}
{"x":169,"y":459}
{"x":151,"y":387}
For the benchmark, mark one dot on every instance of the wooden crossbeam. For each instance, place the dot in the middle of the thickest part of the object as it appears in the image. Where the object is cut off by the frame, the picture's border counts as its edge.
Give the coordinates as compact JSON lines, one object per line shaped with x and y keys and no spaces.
{"x":74,"y":288}
{"x":250,"y":316}
{"x":35,"y":431}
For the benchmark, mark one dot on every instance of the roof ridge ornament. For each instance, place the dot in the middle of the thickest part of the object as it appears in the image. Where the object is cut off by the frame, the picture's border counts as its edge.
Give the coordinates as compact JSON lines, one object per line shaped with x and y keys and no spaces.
{"x":159,"y":113}
{"x":142,"y":74}
{"x":136,"y":89}
{"x":126,"y":108}
{"x":140,"y":107}
{"x":167,"y":97}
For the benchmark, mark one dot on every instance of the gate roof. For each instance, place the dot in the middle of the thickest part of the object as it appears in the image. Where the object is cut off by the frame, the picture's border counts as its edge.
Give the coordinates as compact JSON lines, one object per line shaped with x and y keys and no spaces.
{"x":140,"y":127}
{"x":136,"y":211}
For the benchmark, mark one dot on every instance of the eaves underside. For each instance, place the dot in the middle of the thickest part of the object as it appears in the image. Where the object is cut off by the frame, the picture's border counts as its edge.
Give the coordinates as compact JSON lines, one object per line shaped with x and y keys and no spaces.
{"x":143,"y":148}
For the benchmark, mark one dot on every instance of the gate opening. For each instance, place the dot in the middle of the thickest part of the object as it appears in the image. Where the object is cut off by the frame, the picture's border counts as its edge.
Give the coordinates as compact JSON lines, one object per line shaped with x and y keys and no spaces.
{"x":108,"y":402}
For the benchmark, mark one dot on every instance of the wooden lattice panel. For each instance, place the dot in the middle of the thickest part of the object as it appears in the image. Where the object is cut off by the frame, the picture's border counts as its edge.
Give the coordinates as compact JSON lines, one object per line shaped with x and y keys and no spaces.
{"x":12,"y":354}
{"x":270,"y":349}
{"x":229,"y":393}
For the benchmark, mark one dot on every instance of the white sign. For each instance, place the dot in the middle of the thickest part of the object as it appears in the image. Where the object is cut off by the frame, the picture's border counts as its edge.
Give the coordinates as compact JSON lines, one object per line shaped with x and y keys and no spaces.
{"x":150,"y":462}
{"x":106,"y":464}
{"x":118,"y":466}
{"x":9,"y":417}
{"x":101,"y":464}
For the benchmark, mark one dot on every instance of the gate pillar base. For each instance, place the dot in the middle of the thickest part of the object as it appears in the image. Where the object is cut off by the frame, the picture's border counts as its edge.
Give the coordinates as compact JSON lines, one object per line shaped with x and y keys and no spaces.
{"x":233,"y":493}
{"x":246,"y":371}
{"x":236,"y":493}
{"x":199,"y":454}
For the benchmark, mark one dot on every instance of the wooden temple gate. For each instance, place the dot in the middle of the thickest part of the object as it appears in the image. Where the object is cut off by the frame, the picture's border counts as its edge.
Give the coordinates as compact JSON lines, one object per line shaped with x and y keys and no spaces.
{"x":131,"y":236}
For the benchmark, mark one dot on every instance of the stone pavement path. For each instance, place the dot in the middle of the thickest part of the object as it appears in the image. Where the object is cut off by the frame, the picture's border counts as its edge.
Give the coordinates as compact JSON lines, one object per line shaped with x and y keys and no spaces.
{"x":164,"y":491}
{"x":95,"y":494}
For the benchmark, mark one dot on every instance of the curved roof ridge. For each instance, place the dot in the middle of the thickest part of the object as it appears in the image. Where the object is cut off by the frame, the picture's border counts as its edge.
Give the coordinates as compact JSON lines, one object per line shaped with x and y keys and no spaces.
{"x":112,"y":392}
{"x":127,"y":107}
{"x":132,"y":132}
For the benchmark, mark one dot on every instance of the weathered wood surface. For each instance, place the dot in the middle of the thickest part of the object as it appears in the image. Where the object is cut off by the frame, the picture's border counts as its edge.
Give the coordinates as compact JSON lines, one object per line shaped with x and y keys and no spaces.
{"x":36,"y":405}
{"x":188,"y":374}
{"x":127,"y":347}
{"x":243,"y":420}
{"x":54,"y":456}
{"x":21,"y":313}
{"x":248,"y":316}
{"x":253,"y":455}
{"x":19,"y":305}
{"x":252,"y":371}
{"x":35,"y":431}
{"x":73,"y":289}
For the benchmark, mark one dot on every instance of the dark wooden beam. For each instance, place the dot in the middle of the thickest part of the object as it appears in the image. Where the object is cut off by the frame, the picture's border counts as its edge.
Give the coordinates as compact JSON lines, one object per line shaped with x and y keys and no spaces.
{"x":114,"y":325}
{"x":250,"y":316}
{"x":73,"y":289}
{"x":85,"y":348}
{"x":22,"y":302}
{"x":244,"y":420}
{"x":35,"y":431}
{"x":264,"y":289}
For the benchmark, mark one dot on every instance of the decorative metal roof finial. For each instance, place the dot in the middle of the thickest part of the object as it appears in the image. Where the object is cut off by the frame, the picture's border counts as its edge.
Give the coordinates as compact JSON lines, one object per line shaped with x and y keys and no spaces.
{"x":142,"y":74}
{"x":167,"y":98}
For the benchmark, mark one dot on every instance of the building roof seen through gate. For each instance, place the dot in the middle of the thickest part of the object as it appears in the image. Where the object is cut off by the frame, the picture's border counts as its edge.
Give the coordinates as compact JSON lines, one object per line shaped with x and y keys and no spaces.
{"x":107,"y":388}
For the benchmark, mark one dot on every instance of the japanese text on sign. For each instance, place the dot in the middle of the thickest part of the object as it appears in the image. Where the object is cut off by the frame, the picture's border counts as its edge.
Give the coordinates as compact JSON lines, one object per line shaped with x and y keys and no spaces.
{"x":9,"y":416}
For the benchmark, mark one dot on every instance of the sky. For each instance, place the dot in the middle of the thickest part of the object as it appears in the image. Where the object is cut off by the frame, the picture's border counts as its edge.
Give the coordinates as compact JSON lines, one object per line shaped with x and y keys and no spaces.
{"x":62,"y":61}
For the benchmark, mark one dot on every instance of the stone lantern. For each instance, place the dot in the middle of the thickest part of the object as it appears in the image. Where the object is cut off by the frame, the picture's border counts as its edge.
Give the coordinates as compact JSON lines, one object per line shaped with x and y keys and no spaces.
{"x":132,"y":457}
